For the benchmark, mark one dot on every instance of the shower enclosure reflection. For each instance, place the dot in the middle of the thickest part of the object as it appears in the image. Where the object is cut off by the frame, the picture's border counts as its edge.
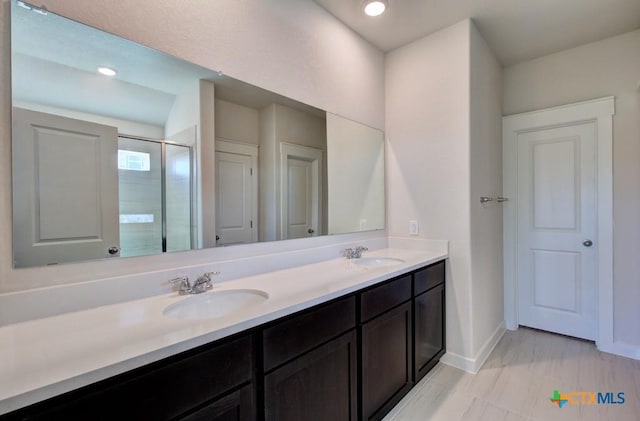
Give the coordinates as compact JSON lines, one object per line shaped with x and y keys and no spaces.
{"x":154,"y":187}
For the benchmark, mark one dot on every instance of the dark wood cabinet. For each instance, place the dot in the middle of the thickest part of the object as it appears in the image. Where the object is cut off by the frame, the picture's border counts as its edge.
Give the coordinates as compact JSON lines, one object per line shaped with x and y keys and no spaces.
{"x":160,"y":391}
{"x":302,"y":332}
{"x":380,"y":298}
{"x":386,"y":361}
{"x":320,"y":385}
{"x":236,"y":406}
{"x":350,"y":359}
{"x":429,"y":322}
{"x":428,"y":277}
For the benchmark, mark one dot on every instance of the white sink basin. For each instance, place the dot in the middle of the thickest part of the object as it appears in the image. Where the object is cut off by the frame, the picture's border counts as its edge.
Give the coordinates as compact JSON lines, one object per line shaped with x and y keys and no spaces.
{"x":215,"y":304}
{"x":377,"y":261}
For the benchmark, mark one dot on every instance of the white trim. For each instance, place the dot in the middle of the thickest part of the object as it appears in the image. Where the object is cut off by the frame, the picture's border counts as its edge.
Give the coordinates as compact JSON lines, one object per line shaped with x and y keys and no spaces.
{"x":316,"y":157}
{"x":473,"y":365}
{"x":234,"y":146}
{"x":601,"y":112}
{"x":459,"y":362}
{"x":621,"y":348}
{"x":241,"y":148}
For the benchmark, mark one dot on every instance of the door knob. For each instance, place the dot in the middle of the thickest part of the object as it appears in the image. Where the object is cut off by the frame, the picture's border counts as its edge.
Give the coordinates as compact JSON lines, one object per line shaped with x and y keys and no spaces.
{"x":113,"y":250}
{"x":310,"y":231}
{"x":587,"y":243}
{"x":217,"y":237}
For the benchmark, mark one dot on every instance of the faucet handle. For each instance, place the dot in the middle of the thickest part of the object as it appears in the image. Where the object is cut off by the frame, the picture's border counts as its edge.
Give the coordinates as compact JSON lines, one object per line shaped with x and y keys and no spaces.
{"x":183,"y":282}
{"x":203,"y":283}
{"x":349,"y":253}
{"x":209,"y":275}
{"x":358,"y":253}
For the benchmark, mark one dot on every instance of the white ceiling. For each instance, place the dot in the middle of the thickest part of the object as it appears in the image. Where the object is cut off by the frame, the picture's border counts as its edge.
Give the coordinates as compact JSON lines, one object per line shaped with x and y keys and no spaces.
{"x":54,"y":63}
{"x":516,"y":30}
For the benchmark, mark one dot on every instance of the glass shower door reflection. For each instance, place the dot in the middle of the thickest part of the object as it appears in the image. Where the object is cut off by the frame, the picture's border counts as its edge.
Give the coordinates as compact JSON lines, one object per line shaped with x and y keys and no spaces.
{"x":178,"y":197}
{"x":140,"y":196}
{"x":154,"y":179}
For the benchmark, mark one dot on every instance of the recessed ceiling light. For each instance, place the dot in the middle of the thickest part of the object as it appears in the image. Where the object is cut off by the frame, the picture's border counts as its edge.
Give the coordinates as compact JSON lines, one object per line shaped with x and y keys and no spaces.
{"x":375,"y":7}
{"x":107,"y":71}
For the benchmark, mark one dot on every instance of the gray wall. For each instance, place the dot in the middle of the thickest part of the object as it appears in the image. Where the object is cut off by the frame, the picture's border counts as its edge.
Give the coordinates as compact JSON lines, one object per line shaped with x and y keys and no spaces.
{"x":237,"y":122}
{"x":444,"y":130}
{"x":485,"y":162}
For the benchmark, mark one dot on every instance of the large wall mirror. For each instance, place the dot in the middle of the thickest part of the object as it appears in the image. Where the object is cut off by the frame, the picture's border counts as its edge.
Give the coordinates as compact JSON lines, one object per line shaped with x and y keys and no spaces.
{"x":119,"y":150}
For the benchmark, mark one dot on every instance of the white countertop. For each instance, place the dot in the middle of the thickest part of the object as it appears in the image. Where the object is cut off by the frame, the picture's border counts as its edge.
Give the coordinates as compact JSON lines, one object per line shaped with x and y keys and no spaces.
{"x":50,"y":356}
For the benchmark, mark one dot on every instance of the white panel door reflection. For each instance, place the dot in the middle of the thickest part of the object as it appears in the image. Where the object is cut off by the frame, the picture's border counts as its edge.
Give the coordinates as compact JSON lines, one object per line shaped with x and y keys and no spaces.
{"x":300,"y":223}
{"x":65,"y":189}
{"x":233,"y":199}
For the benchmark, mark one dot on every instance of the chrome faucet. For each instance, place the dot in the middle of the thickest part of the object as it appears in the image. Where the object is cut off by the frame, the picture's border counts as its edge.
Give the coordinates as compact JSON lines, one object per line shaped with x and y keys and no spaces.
{"x":184,"y":286}
{"x":202,"y":284}
{"x":355,"y":253}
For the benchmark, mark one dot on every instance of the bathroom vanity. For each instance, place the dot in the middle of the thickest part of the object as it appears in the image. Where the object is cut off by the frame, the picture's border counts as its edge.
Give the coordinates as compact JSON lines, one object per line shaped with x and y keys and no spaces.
{"x":351,"y":355}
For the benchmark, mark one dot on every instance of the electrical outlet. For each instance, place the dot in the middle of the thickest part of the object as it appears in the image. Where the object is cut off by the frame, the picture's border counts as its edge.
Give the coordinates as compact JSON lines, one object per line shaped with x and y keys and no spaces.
{"x":414,"y":228}
{"x":363,"y":224}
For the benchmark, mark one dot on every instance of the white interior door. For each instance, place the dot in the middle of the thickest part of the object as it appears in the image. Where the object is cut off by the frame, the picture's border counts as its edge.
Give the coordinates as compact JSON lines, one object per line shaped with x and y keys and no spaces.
{"x":557,"y":226}
{"x":234,"y":199}
{"x":300,"y":223}
{"x":65,"y":189}
{"x":300,"y":191}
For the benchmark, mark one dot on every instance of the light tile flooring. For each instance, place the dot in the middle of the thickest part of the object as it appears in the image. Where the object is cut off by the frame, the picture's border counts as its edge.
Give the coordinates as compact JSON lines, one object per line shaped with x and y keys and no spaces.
{"x":518,"y":379}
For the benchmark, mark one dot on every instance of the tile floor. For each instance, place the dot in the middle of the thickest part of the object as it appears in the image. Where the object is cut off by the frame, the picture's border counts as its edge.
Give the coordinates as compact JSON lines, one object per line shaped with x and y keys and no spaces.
{"x":518,"y":379}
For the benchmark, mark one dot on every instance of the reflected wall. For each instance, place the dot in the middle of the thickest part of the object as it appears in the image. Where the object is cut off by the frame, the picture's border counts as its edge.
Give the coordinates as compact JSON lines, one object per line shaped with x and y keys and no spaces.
{"x":356,"y":176}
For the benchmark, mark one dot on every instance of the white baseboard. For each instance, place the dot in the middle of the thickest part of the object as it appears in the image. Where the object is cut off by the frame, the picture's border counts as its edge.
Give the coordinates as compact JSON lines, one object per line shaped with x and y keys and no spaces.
{"x":621,"y":348}
{"x":458,"y":361}
{"x":473,"y":365}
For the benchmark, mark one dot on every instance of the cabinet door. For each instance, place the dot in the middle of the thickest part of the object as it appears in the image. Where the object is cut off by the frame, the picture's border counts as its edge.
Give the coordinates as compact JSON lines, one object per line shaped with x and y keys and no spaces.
{"x":429,"y":330}
{"x":237,"y":406}
{"x":386,"y":361}
{"x":320,"y":385}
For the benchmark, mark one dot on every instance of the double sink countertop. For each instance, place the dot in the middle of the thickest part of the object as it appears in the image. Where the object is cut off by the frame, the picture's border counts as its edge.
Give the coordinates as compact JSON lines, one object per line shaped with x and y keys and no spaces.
{"x":46,"y":357}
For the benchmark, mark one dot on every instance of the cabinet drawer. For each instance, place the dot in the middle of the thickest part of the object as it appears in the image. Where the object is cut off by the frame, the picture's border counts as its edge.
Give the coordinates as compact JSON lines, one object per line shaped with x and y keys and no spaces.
{"x":428,"y":277}
{"x":301,"y":333}
{"x":236,"y":406}
{"x":381,"y":298}
{"x":157,"y":392}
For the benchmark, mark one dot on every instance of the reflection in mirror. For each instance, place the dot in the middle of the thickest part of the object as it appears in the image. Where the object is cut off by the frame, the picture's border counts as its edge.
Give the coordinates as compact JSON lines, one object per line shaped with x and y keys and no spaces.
{"x":356,"y":176}
{"x":165,"y":155}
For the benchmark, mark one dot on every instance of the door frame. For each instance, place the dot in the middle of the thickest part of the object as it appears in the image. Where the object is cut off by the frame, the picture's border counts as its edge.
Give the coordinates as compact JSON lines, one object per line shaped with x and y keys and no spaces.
{"x":315,"y":156}
{"x":241,"y":148}
{"x":601,"y":112}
